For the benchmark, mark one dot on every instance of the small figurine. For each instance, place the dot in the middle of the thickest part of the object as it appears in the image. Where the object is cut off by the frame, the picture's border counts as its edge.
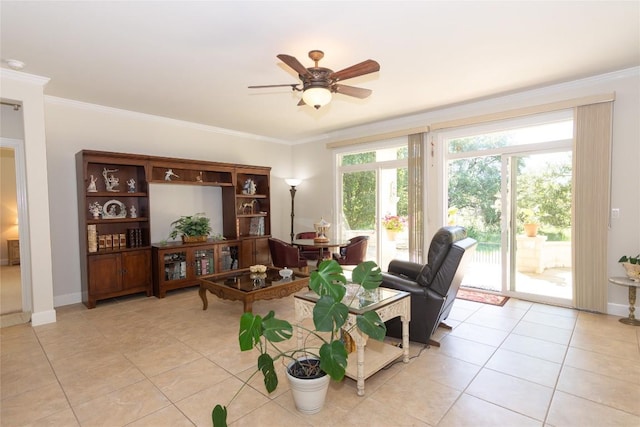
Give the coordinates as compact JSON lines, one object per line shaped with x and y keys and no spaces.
{"x":169,"y":174}
{"x":199,"y":177}
{"x":110,"y":181}
{"x":95,"y":209}
{"x":92,"y":185}
{"x":133,"y":212}
{"x":249,"y":187}
{"x":132,"y":185}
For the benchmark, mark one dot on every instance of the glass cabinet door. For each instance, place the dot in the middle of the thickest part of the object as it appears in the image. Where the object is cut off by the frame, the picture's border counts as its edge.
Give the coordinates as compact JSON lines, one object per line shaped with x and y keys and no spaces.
{"x":204,"y":262}
{"x":175,"y":265}
{"x":229,"y":257}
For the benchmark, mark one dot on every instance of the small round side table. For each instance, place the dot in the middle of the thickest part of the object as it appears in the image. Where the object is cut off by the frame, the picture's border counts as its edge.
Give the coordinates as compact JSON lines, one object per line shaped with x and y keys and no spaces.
{"x":632,"y":285}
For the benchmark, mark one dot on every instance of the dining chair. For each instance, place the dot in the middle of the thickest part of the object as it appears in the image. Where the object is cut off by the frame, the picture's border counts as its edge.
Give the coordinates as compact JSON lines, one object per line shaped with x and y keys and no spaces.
{"x":354,"y":253}
{"x":285,"y":255}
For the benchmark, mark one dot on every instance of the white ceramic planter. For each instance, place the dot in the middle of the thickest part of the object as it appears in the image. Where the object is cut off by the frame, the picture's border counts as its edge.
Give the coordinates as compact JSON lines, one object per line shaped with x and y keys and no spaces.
{"x":308,"y":394}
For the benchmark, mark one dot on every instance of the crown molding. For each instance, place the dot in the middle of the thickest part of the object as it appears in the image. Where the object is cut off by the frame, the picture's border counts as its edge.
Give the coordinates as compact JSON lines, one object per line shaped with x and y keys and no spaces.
{"x":19,"y":76}
{"x":81,"y":105}
{"x":491,"y":103}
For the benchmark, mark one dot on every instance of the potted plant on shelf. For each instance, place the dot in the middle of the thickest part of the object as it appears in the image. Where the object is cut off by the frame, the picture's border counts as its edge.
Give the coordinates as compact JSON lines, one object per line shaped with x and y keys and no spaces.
{"x":394,"y":224}
{"x":632,"y":266}
{"x":192,"y":228}
{"x":323,"y":355}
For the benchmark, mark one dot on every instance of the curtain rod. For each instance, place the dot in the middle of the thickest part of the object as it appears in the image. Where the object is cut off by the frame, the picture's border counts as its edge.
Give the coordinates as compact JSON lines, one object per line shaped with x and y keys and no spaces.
{"x":16,"y":107}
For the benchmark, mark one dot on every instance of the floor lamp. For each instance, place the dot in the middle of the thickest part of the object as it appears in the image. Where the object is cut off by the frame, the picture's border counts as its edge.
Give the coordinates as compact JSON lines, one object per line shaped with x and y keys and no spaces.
{"x":293,"y":183}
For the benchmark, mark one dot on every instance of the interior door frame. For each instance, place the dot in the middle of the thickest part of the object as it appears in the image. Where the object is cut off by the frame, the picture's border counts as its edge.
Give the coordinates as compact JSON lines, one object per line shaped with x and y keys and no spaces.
{"x":23,"y":220}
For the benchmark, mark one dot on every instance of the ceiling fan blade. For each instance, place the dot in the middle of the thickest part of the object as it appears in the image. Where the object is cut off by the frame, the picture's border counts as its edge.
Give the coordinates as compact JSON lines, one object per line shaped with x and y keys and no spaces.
{"x":301,"y":102}
{"x":365,"y":67}
{"x":291,"y":85}
{"x":295,"y":64}
{"x":358,"y":92}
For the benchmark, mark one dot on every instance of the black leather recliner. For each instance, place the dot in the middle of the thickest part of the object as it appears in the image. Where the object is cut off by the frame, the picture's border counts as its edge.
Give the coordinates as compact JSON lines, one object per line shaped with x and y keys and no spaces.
{"x":433,"y":286}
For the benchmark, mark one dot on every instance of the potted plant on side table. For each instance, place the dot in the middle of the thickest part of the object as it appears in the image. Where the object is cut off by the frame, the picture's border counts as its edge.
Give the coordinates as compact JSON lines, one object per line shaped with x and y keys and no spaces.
{"x":324,"y":357}
{"x":192,"y":228}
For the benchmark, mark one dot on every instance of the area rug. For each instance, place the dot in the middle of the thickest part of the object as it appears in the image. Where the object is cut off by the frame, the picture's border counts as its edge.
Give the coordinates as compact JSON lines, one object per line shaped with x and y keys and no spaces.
{"x":483,"y":297}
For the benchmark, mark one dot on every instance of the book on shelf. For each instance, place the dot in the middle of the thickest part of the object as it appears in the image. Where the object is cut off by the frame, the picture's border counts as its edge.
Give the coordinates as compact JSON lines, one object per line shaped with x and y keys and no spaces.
{"x":257,"y":227}
{"x":92,"y":238}
{"x":134,"y":237}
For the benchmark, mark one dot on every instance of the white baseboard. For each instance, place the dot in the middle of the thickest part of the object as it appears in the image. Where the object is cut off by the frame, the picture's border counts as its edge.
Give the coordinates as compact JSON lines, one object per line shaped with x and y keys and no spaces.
{"x":618,"y":310}
{"x":43,"y":317}
{"x":67,"y":299}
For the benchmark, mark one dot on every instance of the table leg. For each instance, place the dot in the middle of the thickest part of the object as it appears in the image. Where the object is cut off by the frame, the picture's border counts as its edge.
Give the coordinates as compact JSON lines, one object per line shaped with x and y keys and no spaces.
{"x":405,"y":339}
{"x":631,"y":320}
{"x":248,"y":306}
{"x":360,"y":371}
{"x":203,"y":296}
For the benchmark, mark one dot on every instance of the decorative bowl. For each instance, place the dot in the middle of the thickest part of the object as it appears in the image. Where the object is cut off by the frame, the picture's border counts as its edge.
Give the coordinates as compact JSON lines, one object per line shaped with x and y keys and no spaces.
{"x":286,"y":273}
{"x":259,"y":268}
{"x":633,"y":271}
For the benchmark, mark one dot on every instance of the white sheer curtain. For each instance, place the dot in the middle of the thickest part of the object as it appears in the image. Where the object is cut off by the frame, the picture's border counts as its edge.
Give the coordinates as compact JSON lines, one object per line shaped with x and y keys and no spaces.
{"x":591,"y":200}
{"x":416,"y":197}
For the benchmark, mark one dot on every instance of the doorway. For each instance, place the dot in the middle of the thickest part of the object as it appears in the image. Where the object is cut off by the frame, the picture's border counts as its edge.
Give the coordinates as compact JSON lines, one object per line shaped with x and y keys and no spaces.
{"x":15,"y":285}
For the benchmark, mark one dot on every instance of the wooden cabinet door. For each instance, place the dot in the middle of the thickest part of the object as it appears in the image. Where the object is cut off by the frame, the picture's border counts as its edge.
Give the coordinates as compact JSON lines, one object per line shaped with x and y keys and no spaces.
{"x":136,"y":270}
{"x":246,"y":253}
{"x":262,"y":254}
{"x":105,"y":274}
{"x":255,"y":251}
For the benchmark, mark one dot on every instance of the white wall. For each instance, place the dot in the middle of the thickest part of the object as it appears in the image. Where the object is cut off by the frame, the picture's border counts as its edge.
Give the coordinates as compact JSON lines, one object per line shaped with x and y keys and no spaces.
{"x":73,"y":126}
{"x":313,"y":163}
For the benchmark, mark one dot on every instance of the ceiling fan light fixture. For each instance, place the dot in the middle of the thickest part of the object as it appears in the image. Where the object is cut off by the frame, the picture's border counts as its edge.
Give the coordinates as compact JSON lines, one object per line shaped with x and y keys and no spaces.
{"x":316,"y":96}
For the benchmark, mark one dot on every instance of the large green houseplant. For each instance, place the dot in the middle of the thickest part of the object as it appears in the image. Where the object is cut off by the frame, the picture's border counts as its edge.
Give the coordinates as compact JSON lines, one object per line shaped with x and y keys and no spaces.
{"x":192,"y":226}
{"x":329,"y":316}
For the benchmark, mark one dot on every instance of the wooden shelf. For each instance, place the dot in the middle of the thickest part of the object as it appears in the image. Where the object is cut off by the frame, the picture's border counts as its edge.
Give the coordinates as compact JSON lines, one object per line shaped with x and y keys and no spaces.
{"x":114,"y":195}
{"x":107,"y":273}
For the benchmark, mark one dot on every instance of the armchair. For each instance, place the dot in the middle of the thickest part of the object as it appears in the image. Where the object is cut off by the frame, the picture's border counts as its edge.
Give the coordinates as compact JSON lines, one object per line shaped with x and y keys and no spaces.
{"x":286,"y":255}
{"x":354,"y":253}
{"x":433,"y":286}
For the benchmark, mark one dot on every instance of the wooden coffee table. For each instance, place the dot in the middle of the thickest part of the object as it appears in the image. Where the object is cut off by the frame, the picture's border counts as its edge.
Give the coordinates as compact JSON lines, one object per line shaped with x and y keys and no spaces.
{"x":239,"y":285}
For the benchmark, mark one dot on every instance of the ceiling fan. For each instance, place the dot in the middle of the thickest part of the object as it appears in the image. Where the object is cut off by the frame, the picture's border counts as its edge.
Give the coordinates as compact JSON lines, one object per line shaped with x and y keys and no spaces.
{"x":318,"y":83}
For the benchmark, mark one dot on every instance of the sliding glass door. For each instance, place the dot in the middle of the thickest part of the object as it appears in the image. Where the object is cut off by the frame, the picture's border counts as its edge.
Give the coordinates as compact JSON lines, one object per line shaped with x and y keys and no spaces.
{"x":372,"y":201}
{"x":541,"y":231}
{"x":511,"y":190}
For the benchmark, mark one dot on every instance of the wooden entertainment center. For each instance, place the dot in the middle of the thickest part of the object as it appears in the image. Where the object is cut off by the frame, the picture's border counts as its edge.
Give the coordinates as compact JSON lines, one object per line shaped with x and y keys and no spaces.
{"x":117,"y":255}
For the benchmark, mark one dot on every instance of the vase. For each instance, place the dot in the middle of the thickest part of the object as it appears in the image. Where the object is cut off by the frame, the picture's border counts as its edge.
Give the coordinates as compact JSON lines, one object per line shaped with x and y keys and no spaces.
{"x":309,"y":394}
{"x":531,"y":229}
{"x":194,"y":239}
{"x":391,"y":235}
{"x":633,"y":271}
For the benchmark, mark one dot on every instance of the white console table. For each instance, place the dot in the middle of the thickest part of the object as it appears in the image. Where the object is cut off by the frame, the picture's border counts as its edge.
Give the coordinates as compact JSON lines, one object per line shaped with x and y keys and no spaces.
{"x":367,"y":359}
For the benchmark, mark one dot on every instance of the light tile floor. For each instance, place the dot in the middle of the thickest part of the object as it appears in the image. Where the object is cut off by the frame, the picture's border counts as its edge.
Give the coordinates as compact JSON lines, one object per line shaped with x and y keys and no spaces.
{"x":141,"y":361}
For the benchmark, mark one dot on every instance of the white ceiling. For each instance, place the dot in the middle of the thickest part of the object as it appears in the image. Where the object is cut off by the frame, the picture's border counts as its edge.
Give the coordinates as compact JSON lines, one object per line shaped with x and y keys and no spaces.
{"x":193,"y":61}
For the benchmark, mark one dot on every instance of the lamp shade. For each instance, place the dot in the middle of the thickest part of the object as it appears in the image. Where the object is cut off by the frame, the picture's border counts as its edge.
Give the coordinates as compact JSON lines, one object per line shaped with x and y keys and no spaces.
{"x":316,"y":96}
{"x":292,"y":181}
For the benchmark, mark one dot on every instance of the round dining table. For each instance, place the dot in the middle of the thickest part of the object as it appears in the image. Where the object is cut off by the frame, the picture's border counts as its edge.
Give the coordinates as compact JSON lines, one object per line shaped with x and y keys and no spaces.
{"x":321,"y":246}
